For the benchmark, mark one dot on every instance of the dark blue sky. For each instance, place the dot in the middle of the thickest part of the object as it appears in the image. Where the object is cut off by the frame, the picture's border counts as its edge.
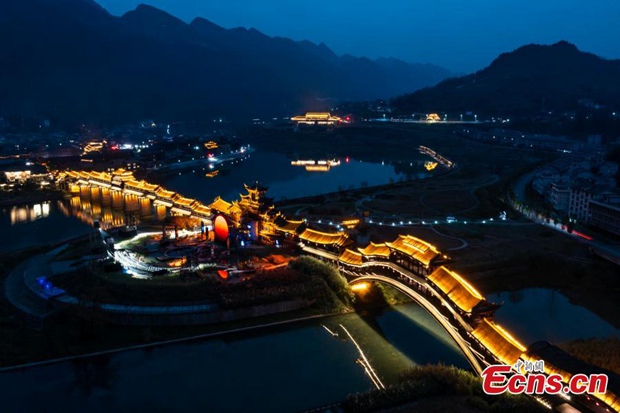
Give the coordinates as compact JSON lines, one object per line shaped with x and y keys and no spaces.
{"x":461,"y":35}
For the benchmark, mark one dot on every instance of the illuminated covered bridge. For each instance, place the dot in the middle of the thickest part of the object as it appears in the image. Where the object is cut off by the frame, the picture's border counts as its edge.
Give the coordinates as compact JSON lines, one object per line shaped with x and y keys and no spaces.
{"x":316,"y":118}
{"x":121,"y":183}
{"x":417,"y":269}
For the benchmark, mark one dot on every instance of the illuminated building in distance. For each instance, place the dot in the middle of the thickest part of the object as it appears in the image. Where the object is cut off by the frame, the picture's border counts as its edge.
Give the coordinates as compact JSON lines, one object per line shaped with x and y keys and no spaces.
{"x":433,"y":117}
{"x":317,"y":118}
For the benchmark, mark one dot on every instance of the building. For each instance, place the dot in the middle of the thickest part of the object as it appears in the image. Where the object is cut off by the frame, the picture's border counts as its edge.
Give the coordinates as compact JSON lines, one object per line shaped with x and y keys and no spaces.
{"x":579,"y":203}
{"x":317,"y":118}
{"x":609,"y":169}
{"x":605,"y":214}
{"x":433,"y":117}
{"x":559,"y":197}
{"x":23,"y":173}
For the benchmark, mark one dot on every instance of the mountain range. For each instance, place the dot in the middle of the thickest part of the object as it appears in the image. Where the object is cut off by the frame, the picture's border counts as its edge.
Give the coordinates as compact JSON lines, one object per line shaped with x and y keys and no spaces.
{"x":72,"y":60}
{"x":528,"y":80}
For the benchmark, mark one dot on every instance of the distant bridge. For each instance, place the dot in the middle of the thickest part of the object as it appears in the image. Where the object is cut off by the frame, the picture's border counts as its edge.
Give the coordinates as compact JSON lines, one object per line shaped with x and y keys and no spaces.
{"x":122,"y":183}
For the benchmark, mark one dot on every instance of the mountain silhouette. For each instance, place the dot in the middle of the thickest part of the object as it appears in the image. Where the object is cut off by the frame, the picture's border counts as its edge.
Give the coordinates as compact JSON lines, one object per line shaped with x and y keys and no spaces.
{"x":531,"y":79}
{"x":73,"y":61}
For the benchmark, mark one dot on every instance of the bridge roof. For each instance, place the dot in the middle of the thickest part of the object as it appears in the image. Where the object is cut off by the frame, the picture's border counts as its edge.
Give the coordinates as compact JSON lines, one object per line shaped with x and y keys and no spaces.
{"x":288,"y":226}
{"x":463,"y":294}
{"x":373,"y":249}
{"x":220,"y":205}
{"x":181,"y":200}
{"x":122,"y":174}
{"x":415,"y":248}
{"x":235,"y":208}
{"x":132,"y":183}
{"x":351,"y":258}
{"x":83,"y":174}
{"x":499,"y":342}
{"x":142,"y":185}
{"x":164,"y":193}
{"x":202,"y":209}
{"x":100,"y":175}
{"x":325,"y":238}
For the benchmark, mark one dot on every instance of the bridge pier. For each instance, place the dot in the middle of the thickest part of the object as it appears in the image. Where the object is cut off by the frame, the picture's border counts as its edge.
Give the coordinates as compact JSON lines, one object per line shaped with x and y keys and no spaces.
{"x":95,"y":193}
{"x":84,"y":191}
{"x":106,"y":197}
{"x":131,"y":202}
{"x":160,"y":212}
{"x":118,"y":201}
{"x":145,"y":207}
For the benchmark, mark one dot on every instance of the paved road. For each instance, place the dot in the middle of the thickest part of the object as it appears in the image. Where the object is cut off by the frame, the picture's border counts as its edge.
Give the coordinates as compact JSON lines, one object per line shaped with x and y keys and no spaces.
{"x":522,"y":183}
{"x":609,"y":248}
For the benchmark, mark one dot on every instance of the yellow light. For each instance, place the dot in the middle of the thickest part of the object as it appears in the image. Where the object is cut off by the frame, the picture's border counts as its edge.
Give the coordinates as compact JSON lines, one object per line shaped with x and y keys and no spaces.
{"x":359,"y":287}
{"x":506,"y":335}
{"x":317,"y":168}
{"x":430,"y":165}
{"x":467,"y":286}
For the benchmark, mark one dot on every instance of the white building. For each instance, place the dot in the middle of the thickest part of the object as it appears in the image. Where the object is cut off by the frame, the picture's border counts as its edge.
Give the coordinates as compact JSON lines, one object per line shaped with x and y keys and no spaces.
{"x":578,"y":207}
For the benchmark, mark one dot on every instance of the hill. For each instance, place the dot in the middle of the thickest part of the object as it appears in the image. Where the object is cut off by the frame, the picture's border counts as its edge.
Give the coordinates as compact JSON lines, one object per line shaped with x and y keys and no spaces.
{"x":531,"y":79}
{"x":72,"y":60}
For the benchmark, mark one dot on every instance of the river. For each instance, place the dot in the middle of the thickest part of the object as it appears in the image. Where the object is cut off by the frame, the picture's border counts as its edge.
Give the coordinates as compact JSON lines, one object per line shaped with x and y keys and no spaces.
{"x":288,"y":181}
{"x":536,"y":314}
{"x":43,"y":223}
{"x":286,"y":368}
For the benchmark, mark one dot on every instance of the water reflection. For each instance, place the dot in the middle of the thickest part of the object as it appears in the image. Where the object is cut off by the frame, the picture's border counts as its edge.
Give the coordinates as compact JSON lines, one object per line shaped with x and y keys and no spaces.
{"x":322,"y":165}
{"x":543,"y":314}
{"x":29,"y":213}
{"x":291,"y":181}
{"x":35,"y":225}
{"x":111,"y":208}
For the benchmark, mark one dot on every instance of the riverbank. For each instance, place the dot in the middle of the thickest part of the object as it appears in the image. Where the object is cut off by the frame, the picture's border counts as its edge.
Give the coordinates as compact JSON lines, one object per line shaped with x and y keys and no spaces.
{"x":602,"y":352}
{"x":437,"y":388}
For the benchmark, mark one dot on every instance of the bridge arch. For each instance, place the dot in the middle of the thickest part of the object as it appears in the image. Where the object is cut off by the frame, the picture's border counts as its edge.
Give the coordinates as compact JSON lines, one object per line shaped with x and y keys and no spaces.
{"x":467,"y":351}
